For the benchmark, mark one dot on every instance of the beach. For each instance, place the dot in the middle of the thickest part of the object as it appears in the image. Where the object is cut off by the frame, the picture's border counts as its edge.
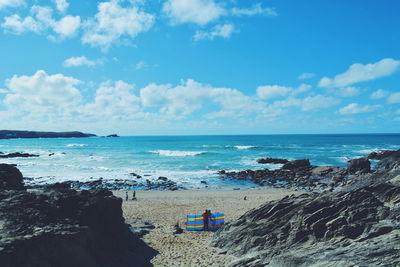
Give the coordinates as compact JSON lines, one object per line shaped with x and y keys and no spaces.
{"x":164,"y":208}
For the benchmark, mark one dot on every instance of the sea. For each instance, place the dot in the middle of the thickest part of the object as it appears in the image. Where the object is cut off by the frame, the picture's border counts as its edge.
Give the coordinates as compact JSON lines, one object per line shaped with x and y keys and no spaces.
{"x":187,"y":160}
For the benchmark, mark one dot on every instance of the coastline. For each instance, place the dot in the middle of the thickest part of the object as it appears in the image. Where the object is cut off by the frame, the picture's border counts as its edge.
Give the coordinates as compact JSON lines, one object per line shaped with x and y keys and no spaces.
{"x":164,"y":208}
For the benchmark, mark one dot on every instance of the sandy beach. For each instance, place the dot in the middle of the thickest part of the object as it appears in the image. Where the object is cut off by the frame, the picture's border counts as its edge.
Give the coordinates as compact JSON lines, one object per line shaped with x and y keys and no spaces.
{"x":164,"y":208}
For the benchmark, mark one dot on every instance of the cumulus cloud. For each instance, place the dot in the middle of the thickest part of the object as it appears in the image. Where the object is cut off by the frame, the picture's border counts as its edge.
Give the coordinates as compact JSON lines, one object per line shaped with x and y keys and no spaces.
{"x":189,"y":96}
{"x":80,"y":61}
{"x":113,"y":100}
{"x":222,"y":30}
{"x":11,"y":3}
{"x":355,"y":108}
{"x":114,"y":21}
{"x":318,"y":102}
{"x":272,"y":91}
{"x":40,"y":20}
{"x":200,"y":12}
{"x":394,"y":98}
{"x":256,"y":9}
{"x":361,"y":73}
{"x":306,"y":75}
{"x":61,"y":5}
{"x":349,"y":91}
{"x":275,"y":91}
{"x":17,"y":25}
{"x":42,"y":94}
{"x":379,"y":94}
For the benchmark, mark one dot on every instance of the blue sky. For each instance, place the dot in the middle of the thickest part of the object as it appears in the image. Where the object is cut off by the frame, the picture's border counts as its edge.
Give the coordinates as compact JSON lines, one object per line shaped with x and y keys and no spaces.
{"x":200,"y":66}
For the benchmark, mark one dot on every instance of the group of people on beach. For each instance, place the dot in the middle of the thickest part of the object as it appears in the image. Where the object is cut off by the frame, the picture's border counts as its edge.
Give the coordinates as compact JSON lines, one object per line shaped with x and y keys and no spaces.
{"x":133,"y":196}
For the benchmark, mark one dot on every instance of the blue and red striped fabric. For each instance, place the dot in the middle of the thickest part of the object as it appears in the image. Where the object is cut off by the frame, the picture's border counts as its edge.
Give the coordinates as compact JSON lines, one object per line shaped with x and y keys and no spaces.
{"x":196,"y":222}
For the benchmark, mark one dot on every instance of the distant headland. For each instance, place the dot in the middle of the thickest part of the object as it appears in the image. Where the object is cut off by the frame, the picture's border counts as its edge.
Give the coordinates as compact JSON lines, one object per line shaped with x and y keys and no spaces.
{"x":11,"y":134}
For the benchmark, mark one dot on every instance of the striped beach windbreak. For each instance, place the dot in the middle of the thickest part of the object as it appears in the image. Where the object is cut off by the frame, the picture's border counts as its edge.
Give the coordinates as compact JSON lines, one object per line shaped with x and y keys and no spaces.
{"x":196,"y":222}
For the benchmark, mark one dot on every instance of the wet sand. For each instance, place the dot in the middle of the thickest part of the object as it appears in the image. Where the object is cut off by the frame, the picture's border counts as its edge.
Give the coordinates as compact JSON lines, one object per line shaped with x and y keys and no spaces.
{"x":164,"y":208}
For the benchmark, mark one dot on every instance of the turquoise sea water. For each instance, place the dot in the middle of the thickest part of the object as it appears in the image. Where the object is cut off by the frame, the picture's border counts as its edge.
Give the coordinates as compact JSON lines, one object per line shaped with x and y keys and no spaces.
{"x":184,"y":159}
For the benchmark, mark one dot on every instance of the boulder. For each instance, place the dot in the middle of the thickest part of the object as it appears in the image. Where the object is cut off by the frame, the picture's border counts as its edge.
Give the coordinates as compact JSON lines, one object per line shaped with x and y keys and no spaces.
{"x":272,"y":161}
{"x":353,"y":228}
{"x":296,"y":164}
{"x":59,"y":226}
{"x":360,"y":165}
{"x":10,"y":178}
{"x":18,"y":155}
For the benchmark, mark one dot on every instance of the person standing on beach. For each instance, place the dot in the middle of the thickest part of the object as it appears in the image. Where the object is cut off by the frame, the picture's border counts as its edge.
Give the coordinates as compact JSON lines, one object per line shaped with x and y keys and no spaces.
{"x":126,"y":196}
{"x":206,"y":215}
{"x":134,"y":195}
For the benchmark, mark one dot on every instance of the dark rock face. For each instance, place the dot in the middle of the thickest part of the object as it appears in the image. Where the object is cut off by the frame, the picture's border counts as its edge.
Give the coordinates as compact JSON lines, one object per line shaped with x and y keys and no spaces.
{"x":272,"y":161}
{"x":10,"y":178}
{"x":361,"y":165}
{"x":63,"y":227}
{"x":345,"y":228}
{"x":296,"y":164}
{"x":18,"y":155}
{"x":8,"y":134}
{"x":112,"y":135}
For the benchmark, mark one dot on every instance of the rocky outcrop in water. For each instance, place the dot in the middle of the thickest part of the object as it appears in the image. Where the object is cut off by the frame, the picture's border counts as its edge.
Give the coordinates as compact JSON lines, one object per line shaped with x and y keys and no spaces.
{"x":18,"y":155}
{"x":300,"y":174}
{"x":59,"y":226}
{"x":272,"y":161}
{"x":10,"y":134}
{"x":357,"y":226}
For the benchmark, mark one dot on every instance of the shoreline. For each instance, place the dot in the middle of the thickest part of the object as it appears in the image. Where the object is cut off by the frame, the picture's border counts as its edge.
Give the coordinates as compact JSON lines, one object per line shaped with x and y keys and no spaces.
{"x":164,"y":208}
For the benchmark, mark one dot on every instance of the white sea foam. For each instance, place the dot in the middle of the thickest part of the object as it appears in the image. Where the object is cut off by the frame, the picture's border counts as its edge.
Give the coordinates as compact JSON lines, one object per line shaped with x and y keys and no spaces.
{"x":76,"y":145}
{"x":177,"y":153}
{"x":244,"y":147}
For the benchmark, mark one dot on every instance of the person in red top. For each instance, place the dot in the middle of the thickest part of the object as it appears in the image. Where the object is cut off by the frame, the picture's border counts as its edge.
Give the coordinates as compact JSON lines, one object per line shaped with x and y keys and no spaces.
{"x":206,"y":216}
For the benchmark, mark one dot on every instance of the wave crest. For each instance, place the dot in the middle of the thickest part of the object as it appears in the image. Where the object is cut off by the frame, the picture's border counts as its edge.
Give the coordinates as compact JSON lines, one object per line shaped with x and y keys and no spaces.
{"x":177,"y":153}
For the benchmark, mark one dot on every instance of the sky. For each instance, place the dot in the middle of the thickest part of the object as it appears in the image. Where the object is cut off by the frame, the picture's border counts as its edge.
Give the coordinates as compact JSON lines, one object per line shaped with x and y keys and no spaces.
{"x":193,"y":67}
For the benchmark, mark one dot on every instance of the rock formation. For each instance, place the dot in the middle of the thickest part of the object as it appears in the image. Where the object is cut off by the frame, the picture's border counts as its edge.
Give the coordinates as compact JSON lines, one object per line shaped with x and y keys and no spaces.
{"x":9,"y":134}
{"x":359,"y":225}
{"x":59,"y":226}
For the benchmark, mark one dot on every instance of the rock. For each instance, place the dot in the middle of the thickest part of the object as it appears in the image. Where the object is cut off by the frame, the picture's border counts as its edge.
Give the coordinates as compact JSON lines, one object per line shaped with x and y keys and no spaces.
{"x":112,"y":135}
{"x":360,"y":165}
{"x":338,"y":228}
{"x":296,"y":164}
{"x":203,"y":182}
{"x":163,"y":178}
{"x":10,"y":178}
{"x":63,"y":227}
{"x":272,"y":161}
{"x":18,"y":155}
{"x":7,"y":134}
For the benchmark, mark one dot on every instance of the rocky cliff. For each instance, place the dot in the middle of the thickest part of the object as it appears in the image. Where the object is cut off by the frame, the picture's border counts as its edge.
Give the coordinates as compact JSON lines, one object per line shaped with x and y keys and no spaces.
{"x":59,"y":226}
{"x":11,"y":134}
{"x":357,"y":226}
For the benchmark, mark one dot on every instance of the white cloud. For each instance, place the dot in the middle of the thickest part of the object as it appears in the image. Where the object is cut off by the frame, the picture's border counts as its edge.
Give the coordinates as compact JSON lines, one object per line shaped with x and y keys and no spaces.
{"x":141,"y":65}
{"x":301,"y":89}
{"x":114,"y":21}
{"x":318,"y":102}
{"x":67,"y":26}
{"x":348,"y":91}
{"x":379,"y":94}
{"x":61,"y":5}
{"x":361,"y":73}
{"x":223,"y":30}
{"x":42,"y":94}
{"x":256,"y":9}
{"x":272,"y":91}
{"x":16,"y":25}
{"x":40,"y":20}
{"x":11,"y":3}
{"x":80,"y":61}
{"x":199,"y":12}
{"x":306,"y":75}
{"x":354,"y":108}
{"x":182,"y":100}
{"x":393,"y":98}
{"x":113,"y":100}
